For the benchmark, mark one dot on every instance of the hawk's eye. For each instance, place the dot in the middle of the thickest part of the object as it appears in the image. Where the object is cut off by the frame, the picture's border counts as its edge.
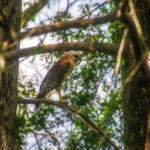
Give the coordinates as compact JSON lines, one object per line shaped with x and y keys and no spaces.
{"x":77,"y":57}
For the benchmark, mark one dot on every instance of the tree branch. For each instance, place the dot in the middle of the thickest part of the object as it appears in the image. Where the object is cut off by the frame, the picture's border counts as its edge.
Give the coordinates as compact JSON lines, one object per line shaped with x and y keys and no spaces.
{"x":108,"y":48}
{"x":78,"y":23}
{"x":73,"y":110}
{"x":32,"y":11}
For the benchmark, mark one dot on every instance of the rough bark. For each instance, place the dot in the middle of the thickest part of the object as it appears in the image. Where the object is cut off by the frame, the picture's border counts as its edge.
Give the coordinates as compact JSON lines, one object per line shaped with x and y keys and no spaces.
{"x":137,"y":91}
{"x":9,"y":78}
{"x":136,"y":103}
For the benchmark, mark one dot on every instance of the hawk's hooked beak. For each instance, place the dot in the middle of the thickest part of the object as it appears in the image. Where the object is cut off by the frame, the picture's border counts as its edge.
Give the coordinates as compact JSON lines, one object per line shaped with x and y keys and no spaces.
{"x":80,"y":58}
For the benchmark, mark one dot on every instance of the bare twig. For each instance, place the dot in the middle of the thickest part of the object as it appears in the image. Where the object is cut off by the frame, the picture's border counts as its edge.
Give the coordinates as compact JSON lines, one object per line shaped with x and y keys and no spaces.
{"x":35,"y":135}
{"x":76,"y":115}
{"x":72,"y":3}
{"x":100,"y":5}
{"x":67,"y":8}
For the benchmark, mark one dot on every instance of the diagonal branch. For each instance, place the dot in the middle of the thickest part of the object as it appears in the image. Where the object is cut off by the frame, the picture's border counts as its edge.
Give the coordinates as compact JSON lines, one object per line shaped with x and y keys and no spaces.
{"x":73,"y":110}
{"x":32,"y":11}
{"x":120,"y":51}
{"x":63,"y":25}
{"x":108,"y":48}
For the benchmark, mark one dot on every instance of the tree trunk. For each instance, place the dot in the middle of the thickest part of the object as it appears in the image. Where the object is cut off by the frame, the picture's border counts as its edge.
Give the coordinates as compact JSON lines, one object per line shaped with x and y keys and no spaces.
{"x":9,"y":77}
{"x":137,"y":92}
{"x":136,"y":106}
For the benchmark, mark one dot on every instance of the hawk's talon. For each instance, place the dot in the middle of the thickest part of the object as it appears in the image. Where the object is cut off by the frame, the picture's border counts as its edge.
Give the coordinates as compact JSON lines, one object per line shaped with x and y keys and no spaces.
{"x":62,"y":102}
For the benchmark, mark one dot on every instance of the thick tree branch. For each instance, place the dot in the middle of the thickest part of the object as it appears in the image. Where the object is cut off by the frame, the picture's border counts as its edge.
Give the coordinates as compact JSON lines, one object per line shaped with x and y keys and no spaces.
{"x":73,"y":110}
{"x":108,"y":48}
{"x":78,"y":23}
{"x":63,"y":25}
{"x":32,"y":11}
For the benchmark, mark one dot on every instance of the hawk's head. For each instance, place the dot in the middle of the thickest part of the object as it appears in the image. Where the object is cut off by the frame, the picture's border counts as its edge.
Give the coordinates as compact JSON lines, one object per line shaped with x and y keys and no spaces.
{"x":72,"y":55}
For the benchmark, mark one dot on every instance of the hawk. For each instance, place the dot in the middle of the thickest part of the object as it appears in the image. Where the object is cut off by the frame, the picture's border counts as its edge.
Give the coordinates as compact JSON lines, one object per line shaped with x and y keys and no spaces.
{"x":57,"y":74}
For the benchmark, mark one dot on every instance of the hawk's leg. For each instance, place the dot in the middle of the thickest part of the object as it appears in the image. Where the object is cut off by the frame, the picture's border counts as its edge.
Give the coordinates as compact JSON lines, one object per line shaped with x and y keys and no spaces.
{"x":60,"y":97}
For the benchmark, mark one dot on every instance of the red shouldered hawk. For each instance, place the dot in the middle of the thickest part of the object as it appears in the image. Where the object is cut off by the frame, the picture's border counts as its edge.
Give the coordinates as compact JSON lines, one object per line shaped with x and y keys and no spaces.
{"x":57,"y":74}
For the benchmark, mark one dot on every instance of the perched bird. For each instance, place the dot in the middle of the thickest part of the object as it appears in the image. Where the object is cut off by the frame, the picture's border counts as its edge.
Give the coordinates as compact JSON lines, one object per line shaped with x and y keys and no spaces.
{"x":57,"y":74}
